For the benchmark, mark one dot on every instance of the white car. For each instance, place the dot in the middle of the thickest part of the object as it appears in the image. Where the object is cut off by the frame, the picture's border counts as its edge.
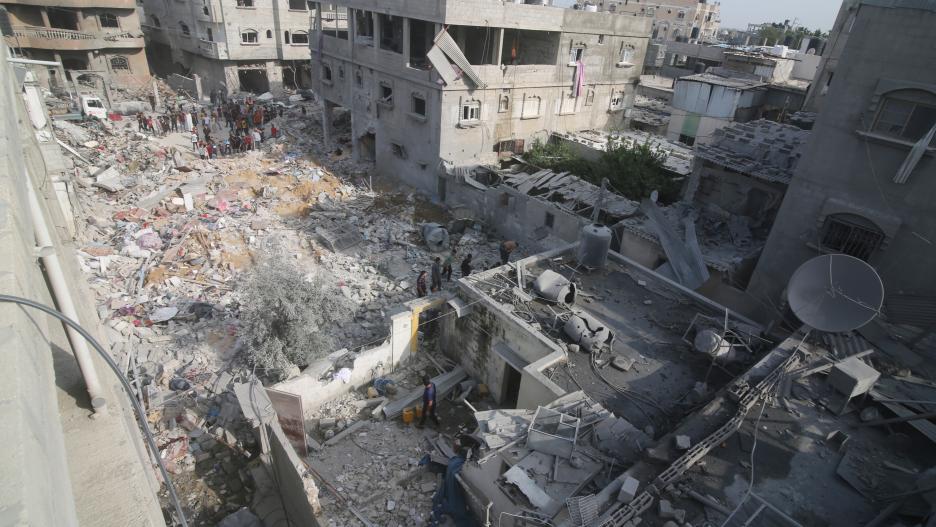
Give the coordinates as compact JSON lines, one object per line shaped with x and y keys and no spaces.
{"x":92,"y":106}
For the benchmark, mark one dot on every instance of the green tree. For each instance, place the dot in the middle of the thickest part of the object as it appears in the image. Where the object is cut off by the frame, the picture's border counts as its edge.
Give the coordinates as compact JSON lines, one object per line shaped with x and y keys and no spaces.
{"x":633,"y":171}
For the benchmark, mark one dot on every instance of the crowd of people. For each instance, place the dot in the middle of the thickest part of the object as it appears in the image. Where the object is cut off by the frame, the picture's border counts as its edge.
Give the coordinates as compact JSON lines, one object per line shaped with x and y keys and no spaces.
{"x":246,"y":124}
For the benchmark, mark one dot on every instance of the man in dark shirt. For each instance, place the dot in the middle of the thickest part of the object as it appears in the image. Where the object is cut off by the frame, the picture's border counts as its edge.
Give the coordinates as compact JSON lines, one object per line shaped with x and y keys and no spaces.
{"x":436,"y":274}
{"x":429,"y":401}
{"x":466,"y":266}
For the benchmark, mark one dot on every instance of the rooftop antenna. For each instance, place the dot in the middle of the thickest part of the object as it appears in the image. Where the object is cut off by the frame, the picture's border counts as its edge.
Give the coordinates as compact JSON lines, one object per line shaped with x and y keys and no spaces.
{"x":835,"y":293}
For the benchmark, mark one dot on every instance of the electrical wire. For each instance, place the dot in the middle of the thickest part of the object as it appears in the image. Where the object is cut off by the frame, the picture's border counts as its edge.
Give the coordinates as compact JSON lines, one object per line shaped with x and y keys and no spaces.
{"x":750,"y":488}
{"x":141,"y":414}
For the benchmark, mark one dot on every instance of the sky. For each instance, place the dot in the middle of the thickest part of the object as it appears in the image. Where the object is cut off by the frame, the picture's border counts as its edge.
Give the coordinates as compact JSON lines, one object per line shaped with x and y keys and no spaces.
{"x":737,"y":14}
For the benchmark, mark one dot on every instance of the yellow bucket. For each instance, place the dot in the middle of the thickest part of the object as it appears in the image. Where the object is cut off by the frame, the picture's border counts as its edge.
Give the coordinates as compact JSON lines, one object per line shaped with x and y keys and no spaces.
{"x":407,"y":415}
{"x":419,"y":411}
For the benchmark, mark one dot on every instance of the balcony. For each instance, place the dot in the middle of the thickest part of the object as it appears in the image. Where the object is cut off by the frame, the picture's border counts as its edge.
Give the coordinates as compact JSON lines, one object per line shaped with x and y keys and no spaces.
{"x":212,"y":50}
{"x":70,"y":40}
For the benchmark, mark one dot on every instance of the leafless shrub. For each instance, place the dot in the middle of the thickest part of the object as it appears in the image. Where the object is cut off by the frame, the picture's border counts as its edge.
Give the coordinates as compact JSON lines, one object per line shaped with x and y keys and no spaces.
{"x":285,"y":315}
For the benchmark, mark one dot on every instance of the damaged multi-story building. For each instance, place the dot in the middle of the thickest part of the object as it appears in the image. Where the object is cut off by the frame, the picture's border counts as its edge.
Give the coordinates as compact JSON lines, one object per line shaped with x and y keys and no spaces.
{"x":432,"y":87}
{"x":677,"y":20}
{"x":864,"y":184}
{"x":98,"y":47}
{"x":233,"y":46}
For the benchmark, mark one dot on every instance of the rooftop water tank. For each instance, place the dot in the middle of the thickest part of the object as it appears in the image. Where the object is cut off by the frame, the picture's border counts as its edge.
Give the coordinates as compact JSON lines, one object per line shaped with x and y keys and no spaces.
{"x":594,"y":244}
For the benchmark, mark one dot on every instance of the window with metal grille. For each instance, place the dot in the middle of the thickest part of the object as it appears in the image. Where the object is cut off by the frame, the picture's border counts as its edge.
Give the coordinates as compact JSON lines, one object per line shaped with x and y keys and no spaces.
{"x":852,"y":235}
{"x":119,"y":63}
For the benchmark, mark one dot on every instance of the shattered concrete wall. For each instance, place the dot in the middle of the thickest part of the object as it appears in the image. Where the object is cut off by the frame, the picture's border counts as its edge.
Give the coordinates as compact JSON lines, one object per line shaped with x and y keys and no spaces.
{"x":296,"y":486}
{"x":398,"y":347}
{"x":472,"y":341}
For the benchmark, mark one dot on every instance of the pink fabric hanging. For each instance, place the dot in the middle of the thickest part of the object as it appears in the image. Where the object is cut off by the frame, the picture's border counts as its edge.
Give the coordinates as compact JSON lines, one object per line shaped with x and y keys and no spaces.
{"x":579,"y":78}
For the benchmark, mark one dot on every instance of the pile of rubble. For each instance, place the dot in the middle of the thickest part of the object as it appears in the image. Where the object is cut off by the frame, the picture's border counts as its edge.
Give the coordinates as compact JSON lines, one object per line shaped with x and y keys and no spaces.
{"x":164,"y":236}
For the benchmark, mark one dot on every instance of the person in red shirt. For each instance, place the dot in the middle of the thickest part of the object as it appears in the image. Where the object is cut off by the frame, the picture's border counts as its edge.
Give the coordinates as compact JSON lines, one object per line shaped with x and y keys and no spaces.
{"x":248,"y":142}
{"x":210,"y":150}
{"x":273,"y":131}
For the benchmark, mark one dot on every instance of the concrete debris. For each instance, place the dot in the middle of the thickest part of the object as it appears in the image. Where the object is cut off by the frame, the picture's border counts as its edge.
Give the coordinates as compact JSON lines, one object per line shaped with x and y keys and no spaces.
{"x":164,"y":235}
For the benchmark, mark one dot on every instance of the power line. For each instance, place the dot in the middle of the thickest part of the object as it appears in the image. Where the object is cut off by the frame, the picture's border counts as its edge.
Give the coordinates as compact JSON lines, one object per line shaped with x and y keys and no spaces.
{"x":141,"y":414}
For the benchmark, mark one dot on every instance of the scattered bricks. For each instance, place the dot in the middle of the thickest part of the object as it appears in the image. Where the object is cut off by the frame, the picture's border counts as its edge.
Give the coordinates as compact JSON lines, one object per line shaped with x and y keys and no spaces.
{"x":628,"y":490}
{"x":683,"y":442}
{"x":666,"y":510}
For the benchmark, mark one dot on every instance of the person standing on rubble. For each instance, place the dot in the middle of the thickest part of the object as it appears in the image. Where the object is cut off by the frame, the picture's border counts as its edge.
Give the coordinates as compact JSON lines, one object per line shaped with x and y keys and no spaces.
{"x":447,"y":265}
{"x":429,"y":402}
{"x":194,"y":141}
{"x":421,"y":284}
{"x":140,"y":124}
{"x":506,"y":248}
{"x":466,"y":266}
{"x":436,"y":274}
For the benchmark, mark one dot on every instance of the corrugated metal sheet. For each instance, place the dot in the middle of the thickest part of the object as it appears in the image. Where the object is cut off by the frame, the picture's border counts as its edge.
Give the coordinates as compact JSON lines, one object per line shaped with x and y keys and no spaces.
{"x":451,"y":49}
{"x":842,"y":344}
{"x":913,"y":310}
{"x":441,"y":64}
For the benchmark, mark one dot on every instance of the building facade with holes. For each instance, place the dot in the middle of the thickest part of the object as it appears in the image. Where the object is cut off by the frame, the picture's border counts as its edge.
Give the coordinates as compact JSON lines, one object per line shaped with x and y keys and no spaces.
{"x":857,"y":190}
{"x":99,"y":46}
{"x":426,"y":102}
{"x":232,"y":45}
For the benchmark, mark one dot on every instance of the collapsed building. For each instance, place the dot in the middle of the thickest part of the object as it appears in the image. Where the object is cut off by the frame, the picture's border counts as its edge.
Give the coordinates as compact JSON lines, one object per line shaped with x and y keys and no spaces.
{"x":423,"y":98}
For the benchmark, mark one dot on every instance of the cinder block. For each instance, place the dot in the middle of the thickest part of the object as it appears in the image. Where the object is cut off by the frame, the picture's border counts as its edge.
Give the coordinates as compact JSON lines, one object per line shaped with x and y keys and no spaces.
{"x":628,"y":490}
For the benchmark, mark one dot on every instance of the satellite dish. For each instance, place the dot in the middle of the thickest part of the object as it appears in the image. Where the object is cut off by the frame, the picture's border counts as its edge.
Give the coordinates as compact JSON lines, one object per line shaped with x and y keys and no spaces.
{"x":835,"y":293}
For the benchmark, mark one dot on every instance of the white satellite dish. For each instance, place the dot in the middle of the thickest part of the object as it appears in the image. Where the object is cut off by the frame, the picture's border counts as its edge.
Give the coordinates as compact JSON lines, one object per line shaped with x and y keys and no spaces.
{"x":835,"y":293}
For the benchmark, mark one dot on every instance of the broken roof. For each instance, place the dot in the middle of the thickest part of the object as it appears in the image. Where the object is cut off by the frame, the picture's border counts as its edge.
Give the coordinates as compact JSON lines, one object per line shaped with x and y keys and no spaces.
{"x":568,"y":192}
{"x":647,"y":314}
{"x":726,"y":78}
{"x":762,"y":149}
{"x":678,"y":157}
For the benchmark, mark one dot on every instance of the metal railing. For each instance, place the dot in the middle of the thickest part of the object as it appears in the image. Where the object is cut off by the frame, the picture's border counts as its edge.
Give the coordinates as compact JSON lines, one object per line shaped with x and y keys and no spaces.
{"x":51,"y":33}
{"x":68,"y":34}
